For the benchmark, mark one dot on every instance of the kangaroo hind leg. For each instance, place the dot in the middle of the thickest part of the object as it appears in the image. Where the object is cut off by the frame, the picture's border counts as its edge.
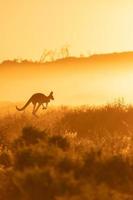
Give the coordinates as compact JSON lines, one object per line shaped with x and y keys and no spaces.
{"x":36,"y":109}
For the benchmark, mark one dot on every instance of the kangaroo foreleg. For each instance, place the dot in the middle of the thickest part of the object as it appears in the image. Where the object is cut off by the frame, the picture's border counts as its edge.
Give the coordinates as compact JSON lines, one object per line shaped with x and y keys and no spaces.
{"x":46,"y":105}
{"x":43,"y":107}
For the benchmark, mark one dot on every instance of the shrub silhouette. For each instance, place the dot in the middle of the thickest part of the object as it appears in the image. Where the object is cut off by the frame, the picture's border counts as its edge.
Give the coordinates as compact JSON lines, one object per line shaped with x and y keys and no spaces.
{"x":24,"y":159}
{"x":32,"y":135}
{"x":5,"y":159}
{"x":43,"y":165}
{"x":66,"y":165}
{"x":115,"y":172}
{"x":59,"y":141}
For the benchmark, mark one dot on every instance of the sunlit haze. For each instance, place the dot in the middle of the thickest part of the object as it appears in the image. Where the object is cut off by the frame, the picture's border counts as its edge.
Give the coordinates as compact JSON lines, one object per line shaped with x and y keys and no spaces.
{"x":88,"y":26}
{"x":92,"y":30}
{"x":66,"y":99}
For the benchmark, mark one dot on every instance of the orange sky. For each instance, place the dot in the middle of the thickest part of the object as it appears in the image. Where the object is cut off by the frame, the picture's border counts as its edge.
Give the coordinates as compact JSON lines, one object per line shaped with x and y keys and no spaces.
{"x":88,"y":26}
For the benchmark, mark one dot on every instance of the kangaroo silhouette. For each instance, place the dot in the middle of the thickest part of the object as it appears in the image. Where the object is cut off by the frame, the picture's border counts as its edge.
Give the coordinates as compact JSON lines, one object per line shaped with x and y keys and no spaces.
{"x":39,"y":99}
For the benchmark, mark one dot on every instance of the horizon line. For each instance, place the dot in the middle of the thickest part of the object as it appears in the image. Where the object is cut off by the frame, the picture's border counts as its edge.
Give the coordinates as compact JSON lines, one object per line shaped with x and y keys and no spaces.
{"x":20,"y":60}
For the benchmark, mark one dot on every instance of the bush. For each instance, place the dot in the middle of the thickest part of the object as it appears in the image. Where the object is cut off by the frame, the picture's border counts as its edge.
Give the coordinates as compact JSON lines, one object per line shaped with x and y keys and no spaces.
{"x":97,"y":165}
{"x":32,"y":135}
{"x":5,"y":159}
{"x":59,"y":141}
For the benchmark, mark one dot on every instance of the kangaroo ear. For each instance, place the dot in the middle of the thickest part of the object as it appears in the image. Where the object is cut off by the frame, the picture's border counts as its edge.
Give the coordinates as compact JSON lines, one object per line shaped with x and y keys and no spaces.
{"x":51,"y":92}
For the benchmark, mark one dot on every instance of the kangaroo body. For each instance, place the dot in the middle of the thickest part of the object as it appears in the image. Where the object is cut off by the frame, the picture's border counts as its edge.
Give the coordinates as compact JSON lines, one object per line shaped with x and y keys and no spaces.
{"x":39,"y":99}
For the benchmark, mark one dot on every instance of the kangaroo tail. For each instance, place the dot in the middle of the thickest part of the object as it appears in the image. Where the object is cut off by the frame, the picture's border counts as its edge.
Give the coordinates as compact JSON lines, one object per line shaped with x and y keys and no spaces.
{"x":28,"y":102}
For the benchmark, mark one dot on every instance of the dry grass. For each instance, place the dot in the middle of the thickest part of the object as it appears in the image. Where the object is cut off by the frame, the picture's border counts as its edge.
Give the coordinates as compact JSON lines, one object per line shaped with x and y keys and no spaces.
{"x":68,"y":153}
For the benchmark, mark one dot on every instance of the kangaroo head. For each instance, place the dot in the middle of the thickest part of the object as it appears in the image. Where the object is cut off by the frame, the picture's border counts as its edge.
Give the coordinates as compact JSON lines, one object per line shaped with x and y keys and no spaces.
{"x":51,"y":96}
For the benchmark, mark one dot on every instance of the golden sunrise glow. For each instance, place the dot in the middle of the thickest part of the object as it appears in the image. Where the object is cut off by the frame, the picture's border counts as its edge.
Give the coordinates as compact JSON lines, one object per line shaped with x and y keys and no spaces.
{"x":88,"y":26}
{"x":66,"y":99}
{"x":70,"y":88}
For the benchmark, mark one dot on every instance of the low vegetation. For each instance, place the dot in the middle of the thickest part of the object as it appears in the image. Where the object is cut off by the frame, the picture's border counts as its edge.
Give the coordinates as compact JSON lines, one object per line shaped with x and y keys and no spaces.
{"x":81,"y":153}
